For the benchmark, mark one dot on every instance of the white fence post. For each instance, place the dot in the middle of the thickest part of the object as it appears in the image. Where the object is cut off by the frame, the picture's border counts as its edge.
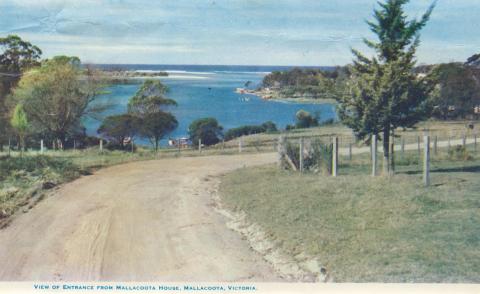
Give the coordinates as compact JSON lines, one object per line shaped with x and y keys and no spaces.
{"x":301,"y":167}
{"x":240,"y":145}
{"x":464,"y":141}
{"x":374,"y":155}
{"x":199,"y":145}
{"x":101,"y":144}
{"x":41,"y":146}
{"x":335,"y":157}
{"x":426,"y":161}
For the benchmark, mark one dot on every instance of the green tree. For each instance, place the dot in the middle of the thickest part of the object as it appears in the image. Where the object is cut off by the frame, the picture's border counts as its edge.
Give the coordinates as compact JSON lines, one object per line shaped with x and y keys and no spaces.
{"x":457,"y":91}
{"x":57,"y":95}
{"x":150,"y":98}
{"x":20,"y":123}
{"x":305,"y":119}
{"x":156,"y":125}
{"x":117,"y":128}
{"x":149,"y":105}
{"x":16,"y":56}
{"x":385,"y":93}
{"x":270,"y":127}
{"x":206,"y":129}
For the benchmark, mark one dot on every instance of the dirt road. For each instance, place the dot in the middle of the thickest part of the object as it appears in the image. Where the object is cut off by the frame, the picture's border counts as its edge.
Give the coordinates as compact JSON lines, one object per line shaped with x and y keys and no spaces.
{"x":141,"y":221}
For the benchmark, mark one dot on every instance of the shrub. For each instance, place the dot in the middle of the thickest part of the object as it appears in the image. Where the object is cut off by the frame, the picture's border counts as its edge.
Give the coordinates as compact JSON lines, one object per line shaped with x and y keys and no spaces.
{"x":266,"y":127}
{"x":270,"y":127}
{"x":36,"y":166}
{"x":459,"y":152}
{"x":304,"y":119}
{"x":206,"y":129}
{"x":317,"y":156}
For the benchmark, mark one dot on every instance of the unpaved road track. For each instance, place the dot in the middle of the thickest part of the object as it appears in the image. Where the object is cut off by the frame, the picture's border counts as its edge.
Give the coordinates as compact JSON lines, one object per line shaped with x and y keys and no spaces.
{"x":142,"y":221}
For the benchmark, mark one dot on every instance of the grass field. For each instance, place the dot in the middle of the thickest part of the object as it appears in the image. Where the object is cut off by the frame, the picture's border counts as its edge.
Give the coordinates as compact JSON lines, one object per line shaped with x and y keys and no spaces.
{"x":444,"y":130}
{"x":365,"y":229}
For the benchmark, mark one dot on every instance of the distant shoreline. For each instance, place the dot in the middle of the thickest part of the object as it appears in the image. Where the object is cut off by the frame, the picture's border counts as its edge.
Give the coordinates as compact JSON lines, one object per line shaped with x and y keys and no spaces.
{"x":272,"y":95}
{"x":127,"y":76}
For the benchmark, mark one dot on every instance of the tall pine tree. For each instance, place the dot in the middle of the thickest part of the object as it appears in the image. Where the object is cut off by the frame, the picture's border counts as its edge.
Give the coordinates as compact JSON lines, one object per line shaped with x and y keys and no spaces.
{"x":385,"y":93}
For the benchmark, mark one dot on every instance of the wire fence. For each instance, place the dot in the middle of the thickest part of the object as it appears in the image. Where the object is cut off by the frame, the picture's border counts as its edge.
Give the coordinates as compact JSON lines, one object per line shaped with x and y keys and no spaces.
{"x":338,"y":155}
{"x":410,"y":153}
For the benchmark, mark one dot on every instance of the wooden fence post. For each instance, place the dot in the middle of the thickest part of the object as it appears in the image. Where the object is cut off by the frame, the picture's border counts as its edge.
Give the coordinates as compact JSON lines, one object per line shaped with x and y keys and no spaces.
{"x":475,"y":142}
{"x":41,"y":146}
{"x":74,"y":144}
{"x":426,"y":161}
{"x":374,"y":155}
{"x":464,"y":141}
{"x":240,"y":145}
{"x":418,"y":146}
{"x":9,"y":145}
{"x":391,"y":171}
{"x":335,"y":157}
{"x":300,"y":154}
{"x":223,"y":144}
{"x":101,"y":145}
{"x":435,"y":145}
{"x":449,"y":144}
{"x":403,"y":147}
{"x":199,"y":145}
{"x":281,"y":150}
{"x":350,"y":155}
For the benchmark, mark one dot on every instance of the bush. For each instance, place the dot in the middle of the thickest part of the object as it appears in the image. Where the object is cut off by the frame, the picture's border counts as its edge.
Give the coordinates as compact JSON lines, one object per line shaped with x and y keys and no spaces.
{"x":318,"y":156}
{"x":306,"y":120}
{"x":270,"y":127}
{"x":328,"y":122}
{"x":459,"y":152}
{"x":266,"y":127}
{"x":206,"y":129}
{"x":35,"y":165}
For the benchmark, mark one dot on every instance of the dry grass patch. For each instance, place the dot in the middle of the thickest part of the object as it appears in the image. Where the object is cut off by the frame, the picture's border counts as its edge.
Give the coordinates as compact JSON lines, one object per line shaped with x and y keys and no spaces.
{"x":367,"y":229}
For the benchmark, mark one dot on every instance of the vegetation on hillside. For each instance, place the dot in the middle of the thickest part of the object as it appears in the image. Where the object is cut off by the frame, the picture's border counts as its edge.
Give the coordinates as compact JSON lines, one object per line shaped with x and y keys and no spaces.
{"x":266,"y":127}
{"x":22,"y":178}
{"x":308,"y":83}
{"x":457,"y":92}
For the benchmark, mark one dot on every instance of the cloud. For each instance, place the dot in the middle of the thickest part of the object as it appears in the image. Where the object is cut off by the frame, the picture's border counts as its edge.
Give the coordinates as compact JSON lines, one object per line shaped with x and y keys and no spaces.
{"x":226,"y":31}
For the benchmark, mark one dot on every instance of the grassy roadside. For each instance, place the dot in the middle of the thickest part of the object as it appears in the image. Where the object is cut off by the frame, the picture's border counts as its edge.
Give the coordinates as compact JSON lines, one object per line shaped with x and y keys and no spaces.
{"x":366,"y":229}
{"x":25,"y":179}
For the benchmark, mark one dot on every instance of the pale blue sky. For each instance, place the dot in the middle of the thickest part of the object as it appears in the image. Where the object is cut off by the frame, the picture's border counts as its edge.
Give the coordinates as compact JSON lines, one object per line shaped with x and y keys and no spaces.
{"x":268,"y":32}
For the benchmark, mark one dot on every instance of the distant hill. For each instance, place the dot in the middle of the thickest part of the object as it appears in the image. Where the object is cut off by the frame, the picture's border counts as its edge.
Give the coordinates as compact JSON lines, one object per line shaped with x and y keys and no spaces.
{"x":474,"y":60}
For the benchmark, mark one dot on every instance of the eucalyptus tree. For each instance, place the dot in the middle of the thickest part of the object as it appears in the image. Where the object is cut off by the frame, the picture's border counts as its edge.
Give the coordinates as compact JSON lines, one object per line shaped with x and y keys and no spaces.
{"x":57,"y":95}
{"x":16,"y":56}
{"x":150,"y":105}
